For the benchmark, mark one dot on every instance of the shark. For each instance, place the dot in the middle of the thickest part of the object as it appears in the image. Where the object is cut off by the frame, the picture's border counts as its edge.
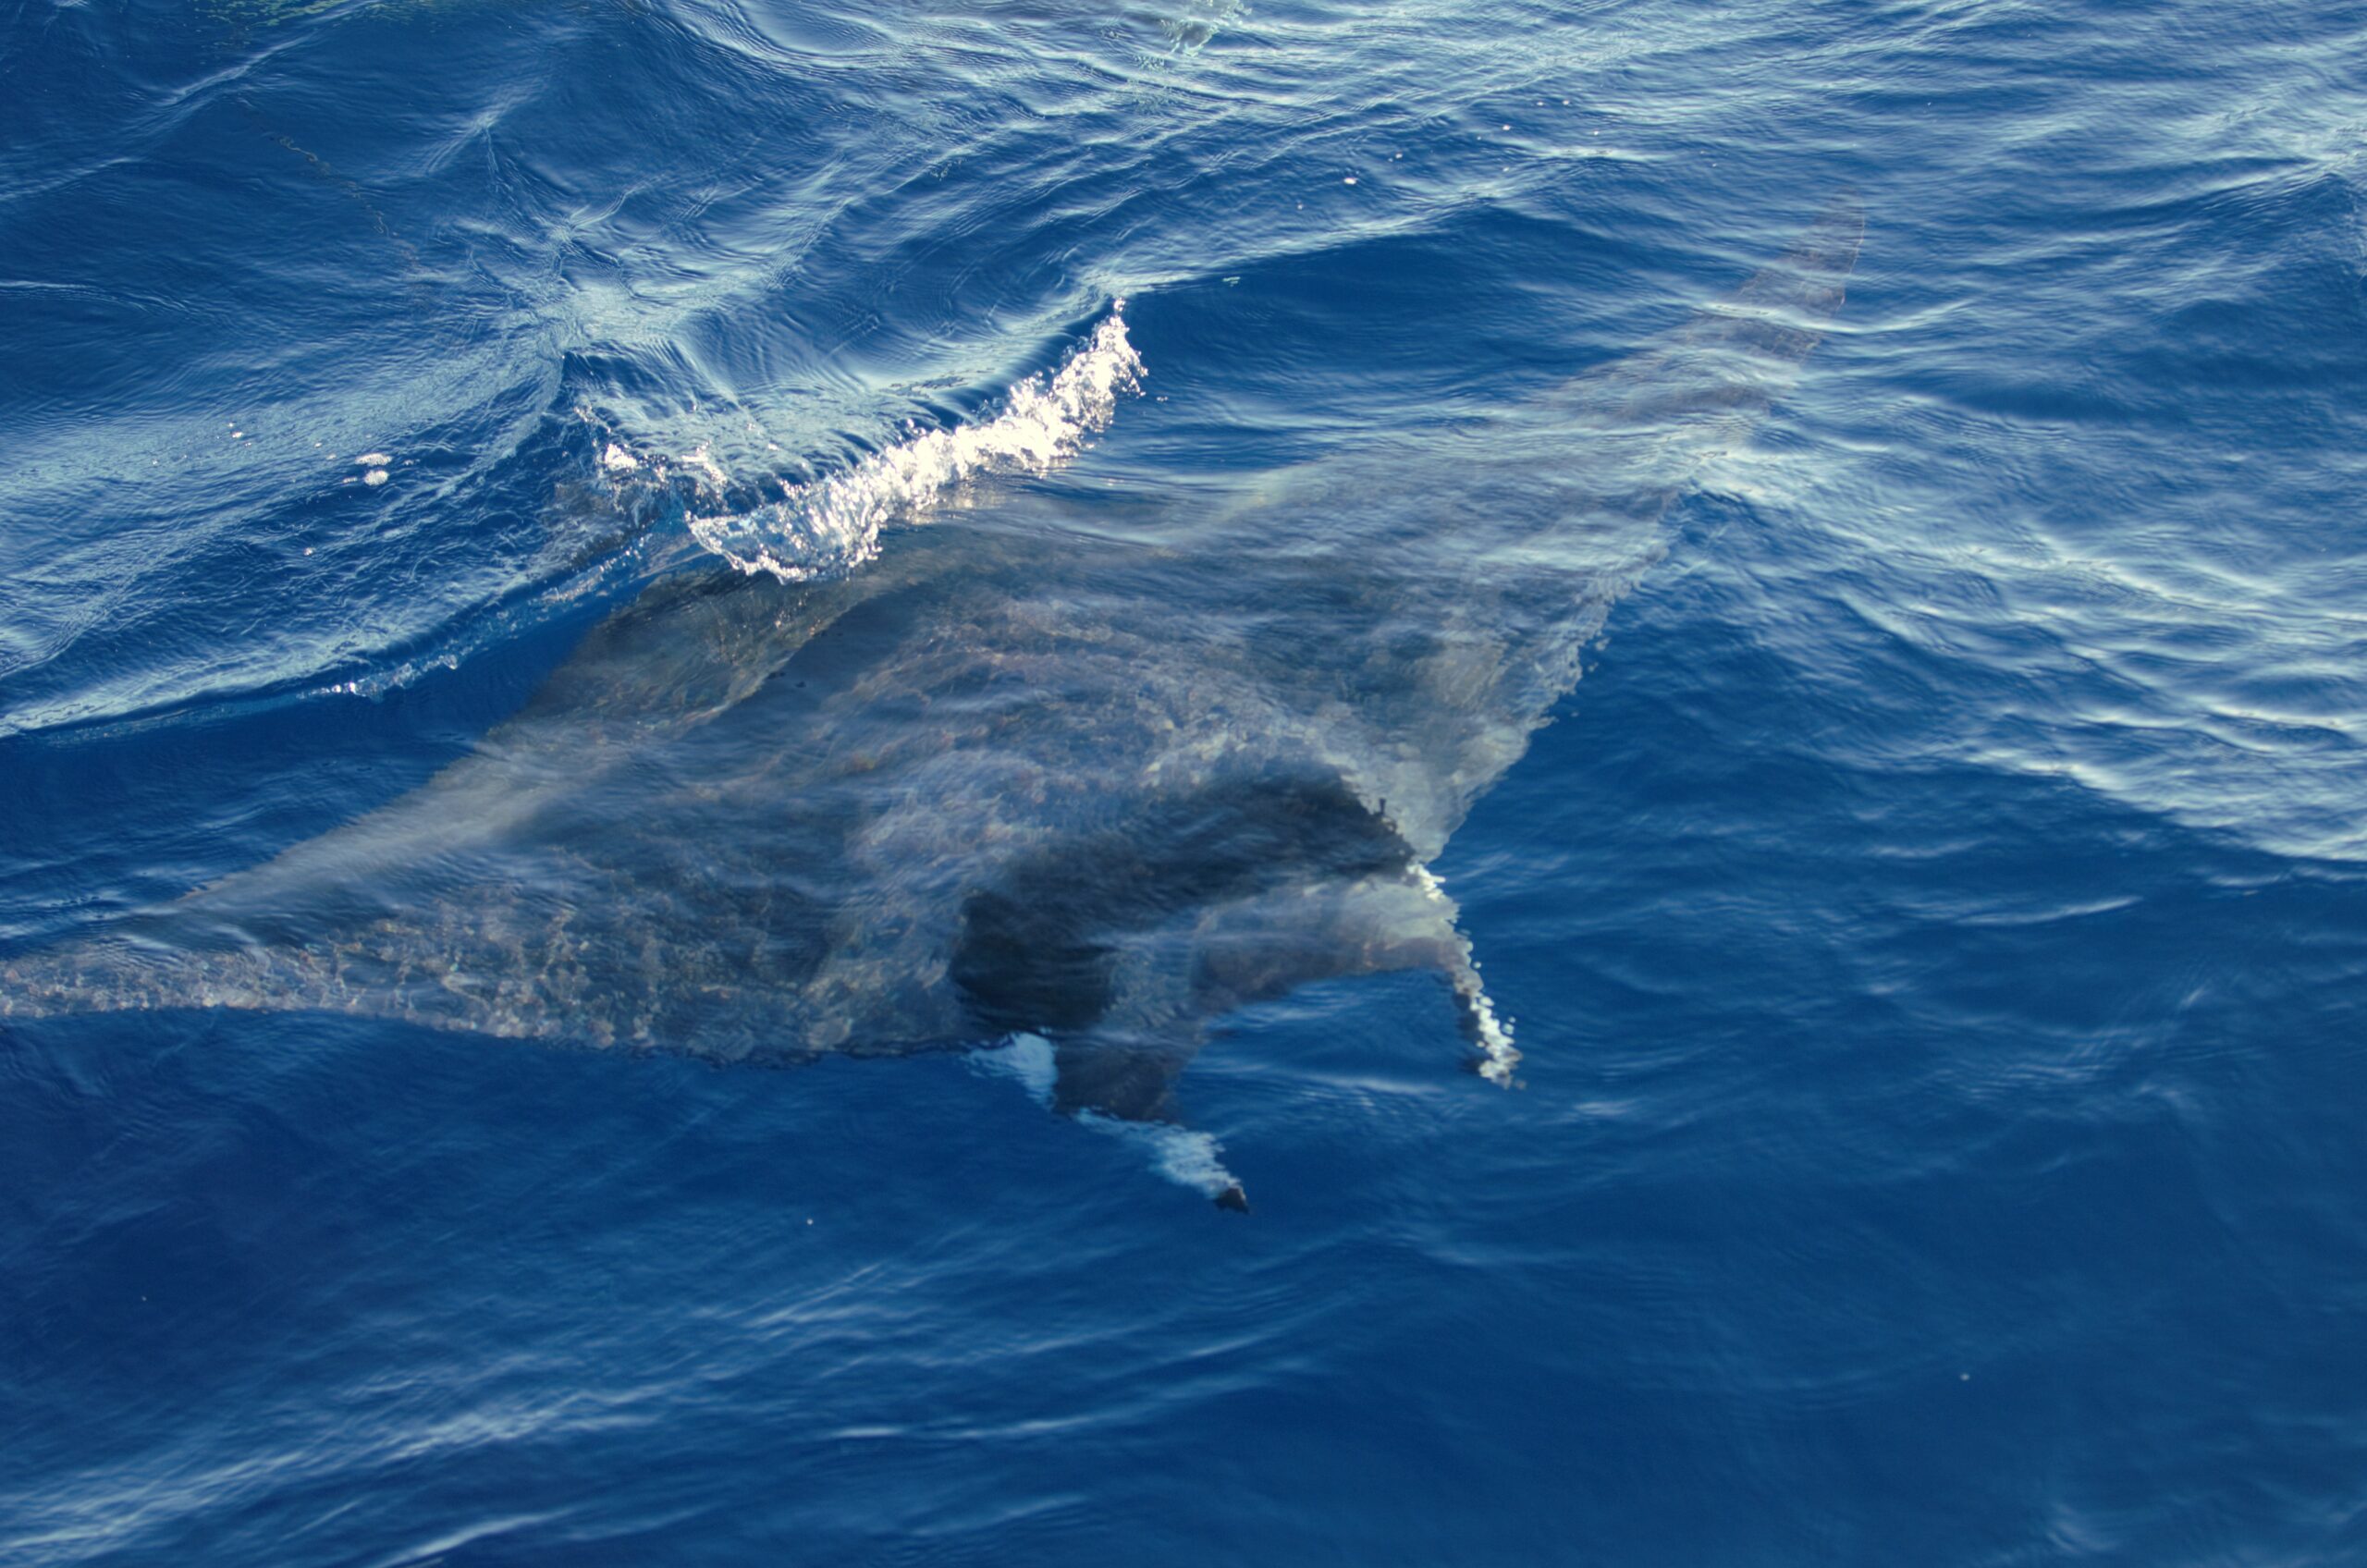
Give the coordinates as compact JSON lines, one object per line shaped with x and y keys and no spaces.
{"x":1037,"y":778}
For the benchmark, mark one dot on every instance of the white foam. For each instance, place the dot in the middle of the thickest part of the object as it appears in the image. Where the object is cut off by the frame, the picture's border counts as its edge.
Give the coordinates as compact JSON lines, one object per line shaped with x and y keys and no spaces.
{"x":834,"y":523}
{"x":1495,"y":1039}
{"x":1183,"y":1154}
{"x":1028,"y":1059}
{"x":1498,"y":1055}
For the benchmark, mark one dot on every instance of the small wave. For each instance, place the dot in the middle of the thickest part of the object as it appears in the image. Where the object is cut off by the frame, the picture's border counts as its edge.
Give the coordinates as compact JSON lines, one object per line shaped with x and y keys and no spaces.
{"x":1190,"y":26}
{"x":833,"y":524}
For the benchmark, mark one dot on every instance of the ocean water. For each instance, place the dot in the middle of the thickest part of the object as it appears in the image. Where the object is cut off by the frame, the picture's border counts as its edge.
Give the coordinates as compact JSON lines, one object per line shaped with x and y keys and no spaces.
{"x":1934,"y":926}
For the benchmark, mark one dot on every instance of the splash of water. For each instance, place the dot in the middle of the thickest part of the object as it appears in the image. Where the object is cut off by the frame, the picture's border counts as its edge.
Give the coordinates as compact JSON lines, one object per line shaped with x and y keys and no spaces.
{"x":834,"y":523}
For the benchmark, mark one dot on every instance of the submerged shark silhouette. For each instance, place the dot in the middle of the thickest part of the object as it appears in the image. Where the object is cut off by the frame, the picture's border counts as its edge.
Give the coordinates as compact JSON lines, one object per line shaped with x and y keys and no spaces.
{"x":1011,"y":781}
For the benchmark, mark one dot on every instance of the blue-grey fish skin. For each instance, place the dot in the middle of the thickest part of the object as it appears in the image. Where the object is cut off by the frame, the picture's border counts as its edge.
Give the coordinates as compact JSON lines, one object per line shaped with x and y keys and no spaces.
{"x":1009,"y":777}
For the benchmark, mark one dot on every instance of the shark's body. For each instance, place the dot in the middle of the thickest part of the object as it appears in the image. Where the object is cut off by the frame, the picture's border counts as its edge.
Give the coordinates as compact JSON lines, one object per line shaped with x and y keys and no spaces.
{"x":1009,"y":779}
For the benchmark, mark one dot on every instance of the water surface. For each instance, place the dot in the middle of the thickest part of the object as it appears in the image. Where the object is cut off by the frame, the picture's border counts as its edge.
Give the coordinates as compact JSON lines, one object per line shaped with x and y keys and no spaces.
{"x":1935,"y":924}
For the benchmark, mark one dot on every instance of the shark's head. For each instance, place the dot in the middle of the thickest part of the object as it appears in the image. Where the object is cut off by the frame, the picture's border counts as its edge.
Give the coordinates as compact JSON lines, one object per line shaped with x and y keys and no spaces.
{"x":1119,"y":946}
{"x":1044,"y":945}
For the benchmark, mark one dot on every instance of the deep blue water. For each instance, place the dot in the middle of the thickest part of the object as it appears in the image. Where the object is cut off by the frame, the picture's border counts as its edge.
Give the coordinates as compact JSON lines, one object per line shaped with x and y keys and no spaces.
{"x":1936,"y":923}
